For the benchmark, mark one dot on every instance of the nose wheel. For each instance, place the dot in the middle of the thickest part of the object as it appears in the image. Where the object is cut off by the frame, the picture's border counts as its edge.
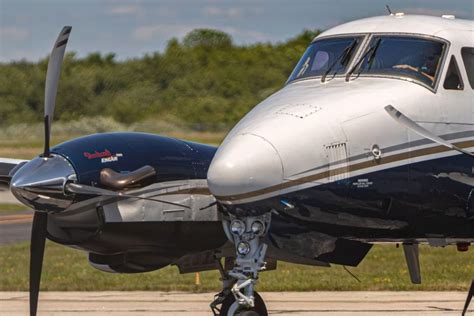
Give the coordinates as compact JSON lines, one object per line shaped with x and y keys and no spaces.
{"x":238,"y":297}
{"x":231,"y":308}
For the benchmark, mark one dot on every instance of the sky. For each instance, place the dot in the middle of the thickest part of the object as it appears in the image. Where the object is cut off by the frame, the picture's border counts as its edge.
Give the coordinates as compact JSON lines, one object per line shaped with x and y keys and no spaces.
{"x":131,"y":29}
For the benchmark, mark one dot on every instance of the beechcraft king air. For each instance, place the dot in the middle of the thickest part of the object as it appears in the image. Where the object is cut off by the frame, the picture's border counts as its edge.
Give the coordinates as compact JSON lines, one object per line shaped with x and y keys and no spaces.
{"x":370,"y":140}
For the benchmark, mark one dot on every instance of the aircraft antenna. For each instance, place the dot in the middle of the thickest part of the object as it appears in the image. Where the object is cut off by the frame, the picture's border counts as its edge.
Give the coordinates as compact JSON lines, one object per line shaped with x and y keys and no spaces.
{"x":388,"y":9}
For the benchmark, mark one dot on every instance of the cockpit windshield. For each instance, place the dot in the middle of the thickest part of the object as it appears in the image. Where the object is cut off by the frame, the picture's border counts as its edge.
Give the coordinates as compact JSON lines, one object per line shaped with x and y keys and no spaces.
{"x":404,"y":56}
{"x":331,"y":54}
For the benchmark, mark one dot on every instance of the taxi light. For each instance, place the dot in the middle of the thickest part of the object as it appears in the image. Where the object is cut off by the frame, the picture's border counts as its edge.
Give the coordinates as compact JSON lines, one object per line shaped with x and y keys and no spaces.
{"x":237,"y":227}
{"x":258,"y":227}
{"x":243,"y":248}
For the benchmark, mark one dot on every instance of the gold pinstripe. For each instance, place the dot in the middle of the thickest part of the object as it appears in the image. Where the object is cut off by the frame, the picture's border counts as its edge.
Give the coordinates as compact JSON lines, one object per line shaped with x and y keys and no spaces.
{"x":355,"y":167}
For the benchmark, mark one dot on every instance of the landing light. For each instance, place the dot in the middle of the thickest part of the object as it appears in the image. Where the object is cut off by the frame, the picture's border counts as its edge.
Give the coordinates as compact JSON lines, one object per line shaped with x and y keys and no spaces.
{"x":258,"y":227}
{"x":243,"y":248}
{"x":237,"y":227}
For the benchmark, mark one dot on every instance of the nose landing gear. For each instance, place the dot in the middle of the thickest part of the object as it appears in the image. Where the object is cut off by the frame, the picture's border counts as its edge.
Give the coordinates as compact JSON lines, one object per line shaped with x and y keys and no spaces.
{"x":231,"y":308}
{"x":238,"y":296}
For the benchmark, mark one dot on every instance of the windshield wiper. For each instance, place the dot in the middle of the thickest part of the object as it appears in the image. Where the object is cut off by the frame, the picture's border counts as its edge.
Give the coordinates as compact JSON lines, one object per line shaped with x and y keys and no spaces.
{"x":343,"y":57}
{"x":370,"y":53}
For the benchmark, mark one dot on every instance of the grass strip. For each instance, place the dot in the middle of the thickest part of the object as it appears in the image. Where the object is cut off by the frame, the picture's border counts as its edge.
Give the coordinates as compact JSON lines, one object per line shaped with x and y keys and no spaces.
{"x":66,"y":269}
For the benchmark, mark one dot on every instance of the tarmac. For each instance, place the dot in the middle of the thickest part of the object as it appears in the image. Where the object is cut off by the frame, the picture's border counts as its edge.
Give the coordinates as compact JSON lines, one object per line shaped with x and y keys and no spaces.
{"x":7,"y":197}
{"x":278,"y":303}
{"x":15,"y":227}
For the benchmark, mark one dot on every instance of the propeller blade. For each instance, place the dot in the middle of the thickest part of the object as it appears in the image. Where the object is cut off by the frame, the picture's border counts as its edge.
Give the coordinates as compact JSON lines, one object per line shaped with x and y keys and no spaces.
{"x":52,"y":79}
{"x":38,"y":239}
{"x":90,"y":190}
{"x":468,"y":298}
{"x":411,"y":125}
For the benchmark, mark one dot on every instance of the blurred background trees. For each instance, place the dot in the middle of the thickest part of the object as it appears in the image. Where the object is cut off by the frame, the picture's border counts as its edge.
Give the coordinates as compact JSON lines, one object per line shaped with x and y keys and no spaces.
{"x":204,"y":82}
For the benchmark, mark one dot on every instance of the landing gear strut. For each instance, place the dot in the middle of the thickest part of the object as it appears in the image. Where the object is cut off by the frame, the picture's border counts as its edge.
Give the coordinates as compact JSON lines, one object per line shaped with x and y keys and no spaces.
{"x":238,"y":296}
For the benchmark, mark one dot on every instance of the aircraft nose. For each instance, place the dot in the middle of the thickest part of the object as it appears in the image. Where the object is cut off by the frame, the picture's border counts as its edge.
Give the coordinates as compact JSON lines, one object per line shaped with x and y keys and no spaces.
{"x":40,"y":183}
{"x":244,"y":165}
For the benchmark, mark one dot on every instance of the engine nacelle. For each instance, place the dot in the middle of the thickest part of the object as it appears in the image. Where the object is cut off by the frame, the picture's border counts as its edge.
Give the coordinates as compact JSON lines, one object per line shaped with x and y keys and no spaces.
{"x":128,"y":262}
{"x":172,"y":159}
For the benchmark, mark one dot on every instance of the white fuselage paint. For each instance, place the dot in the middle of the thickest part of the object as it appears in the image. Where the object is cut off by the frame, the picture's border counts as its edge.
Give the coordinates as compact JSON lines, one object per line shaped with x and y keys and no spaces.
{"x":288,"y":142}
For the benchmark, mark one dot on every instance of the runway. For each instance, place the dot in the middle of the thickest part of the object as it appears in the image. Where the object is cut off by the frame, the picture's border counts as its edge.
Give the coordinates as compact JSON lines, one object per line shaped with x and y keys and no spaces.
{"x":7,"y":197}
{"x":15,"y":228}
{"x":278,"y":303}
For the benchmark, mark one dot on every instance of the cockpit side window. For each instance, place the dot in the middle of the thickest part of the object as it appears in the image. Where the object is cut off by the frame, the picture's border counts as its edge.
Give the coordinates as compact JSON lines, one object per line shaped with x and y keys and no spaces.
{"x":332,"y":54}
{"x":405,"y":56}
{"x":453,"y":80}
{"x":468,"y":59}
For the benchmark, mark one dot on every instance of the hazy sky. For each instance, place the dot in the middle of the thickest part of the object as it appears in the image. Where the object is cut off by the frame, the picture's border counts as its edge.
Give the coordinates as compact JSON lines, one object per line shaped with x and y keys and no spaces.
{"x":133,"y":28}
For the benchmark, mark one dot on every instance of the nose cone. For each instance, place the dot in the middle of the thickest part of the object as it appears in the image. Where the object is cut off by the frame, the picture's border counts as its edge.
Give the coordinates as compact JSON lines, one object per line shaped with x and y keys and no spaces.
{"x":40,"y":183}
{"x":244,"y":166}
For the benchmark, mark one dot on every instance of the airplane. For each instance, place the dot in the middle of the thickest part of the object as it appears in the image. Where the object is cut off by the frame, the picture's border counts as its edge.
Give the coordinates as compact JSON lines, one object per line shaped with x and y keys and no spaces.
{"x":370,"y":141}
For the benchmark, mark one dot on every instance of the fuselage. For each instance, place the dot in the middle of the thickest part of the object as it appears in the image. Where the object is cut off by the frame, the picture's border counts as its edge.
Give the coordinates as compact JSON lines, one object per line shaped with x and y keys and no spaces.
{"x":324,"y":153}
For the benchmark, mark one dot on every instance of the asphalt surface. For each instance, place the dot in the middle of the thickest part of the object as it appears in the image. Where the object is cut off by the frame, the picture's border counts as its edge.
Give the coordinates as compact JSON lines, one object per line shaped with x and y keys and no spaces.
{"x":14,"y":227}
{"x":187,"y":304}
{"x":7,"y":197}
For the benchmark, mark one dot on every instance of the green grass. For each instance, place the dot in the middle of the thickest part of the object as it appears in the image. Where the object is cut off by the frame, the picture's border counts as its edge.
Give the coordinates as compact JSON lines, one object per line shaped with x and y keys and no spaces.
{"x":384,"y":268}
{"x":11,"y":208}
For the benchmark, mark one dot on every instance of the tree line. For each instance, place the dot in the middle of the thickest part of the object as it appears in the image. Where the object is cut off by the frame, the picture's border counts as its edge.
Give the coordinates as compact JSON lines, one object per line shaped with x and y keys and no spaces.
{"x":204,"y":81}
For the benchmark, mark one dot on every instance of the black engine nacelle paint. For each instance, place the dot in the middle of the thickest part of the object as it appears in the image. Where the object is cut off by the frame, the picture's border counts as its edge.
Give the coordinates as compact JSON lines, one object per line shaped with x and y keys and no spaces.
{"x":128,"y":262}
{"x":172,"y":159}
{"x":132,"y":247}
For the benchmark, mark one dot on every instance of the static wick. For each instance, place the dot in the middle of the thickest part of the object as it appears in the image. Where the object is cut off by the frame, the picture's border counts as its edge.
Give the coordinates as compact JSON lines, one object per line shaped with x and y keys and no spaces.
{"x":388,"y":9}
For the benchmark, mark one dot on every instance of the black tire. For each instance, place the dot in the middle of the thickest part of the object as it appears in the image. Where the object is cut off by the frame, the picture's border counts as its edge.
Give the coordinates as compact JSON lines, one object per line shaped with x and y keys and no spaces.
{"x":248,"y":313}
{"x":258,"y":310}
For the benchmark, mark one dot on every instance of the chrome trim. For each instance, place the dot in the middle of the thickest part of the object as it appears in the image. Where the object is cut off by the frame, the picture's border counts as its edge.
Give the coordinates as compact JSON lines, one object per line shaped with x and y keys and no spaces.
{"x":40,"y":183}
